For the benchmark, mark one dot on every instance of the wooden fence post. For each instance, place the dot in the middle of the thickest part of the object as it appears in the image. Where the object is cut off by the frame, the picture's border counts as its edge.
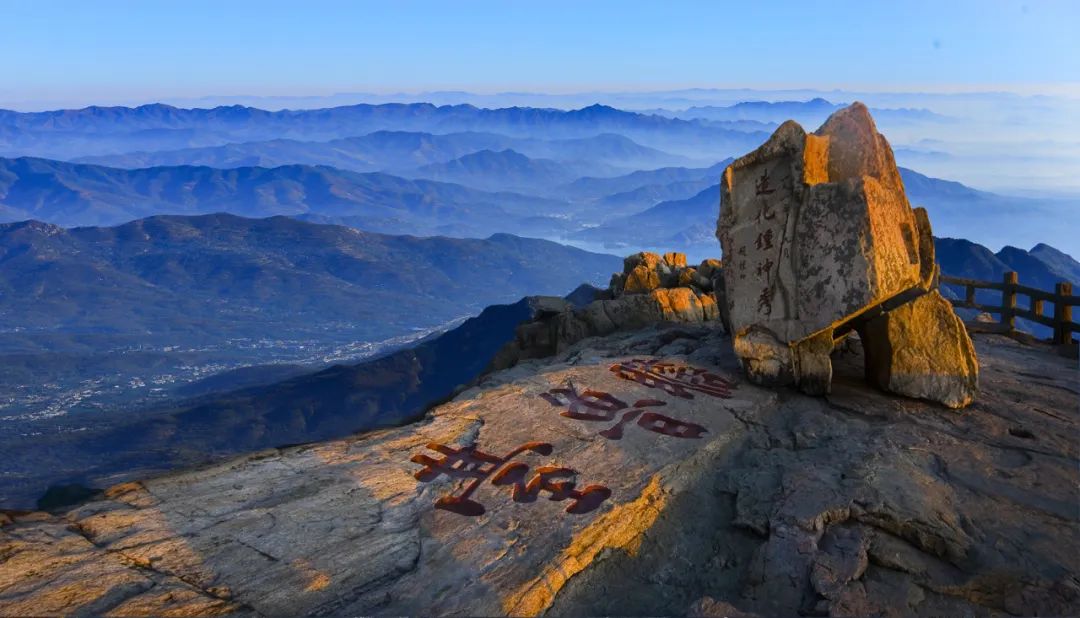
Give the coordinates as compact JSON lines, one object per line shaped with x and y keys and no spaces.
{"x":969,"y":296}
{"x":1008,"y":300}
{"x":1062,"y":313}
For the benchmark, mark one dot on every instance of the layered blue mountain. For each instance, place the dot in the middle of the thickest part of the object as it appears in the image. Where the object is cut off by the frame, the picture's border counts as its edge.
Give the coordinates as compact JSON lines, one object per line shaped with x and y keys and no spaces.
{"x":1042,"y":266}
{"x":684,"y":222}
{"x":499,"y":171}
{"x":66,"y":134}
{"x":808,"y":113}
{"x":401,"y":150}
{"x":959,"y":211}
{"x":98,"y":317}
{"x":607,"y":186}
{"x":207,"y":276}
{"x":72,"y":194}
{"x":955,"y":210}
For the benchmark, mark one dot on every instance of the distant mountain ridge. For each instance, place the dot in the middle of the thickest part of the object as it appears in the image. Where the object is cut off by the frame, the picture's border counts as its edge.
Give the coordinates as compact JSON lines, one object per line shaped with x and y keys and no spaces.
{"x":395,"y":151}
{"x":1041,"y":267}
{"x":503,"y":170}
{"x":670,"y":222}
{"x":211,"y":275}
{"x":811,"y":112}
{"x":111,"y":130}
{"x":75,"y":194}
{"x":96,"y":320}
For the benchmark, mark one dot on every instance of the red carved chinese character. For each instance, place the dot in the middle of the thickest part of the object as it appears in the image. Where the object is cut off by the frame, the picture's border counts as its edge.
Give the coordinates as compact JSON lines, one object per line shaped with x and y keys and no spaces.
{"x":670,"y":426}
{"x":674,"y":379}
{"x":469,"y":463}
{"x":584,"y":500}
{"x":609,"y":406}
{"x":604,"y":404}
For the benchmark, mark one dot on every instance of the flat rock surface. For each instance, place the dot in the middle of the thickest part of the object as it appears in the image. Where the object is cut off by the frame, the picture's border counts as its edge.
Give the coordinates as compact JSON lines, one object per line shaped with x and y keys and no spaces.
{"x":635,"y":474}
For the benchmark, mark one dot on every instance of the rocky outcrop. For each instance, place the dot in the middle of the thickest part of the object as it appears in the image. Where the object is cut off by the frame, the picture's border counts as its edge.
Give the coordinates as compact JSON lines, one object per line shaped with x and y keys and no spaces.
{"x":905,"y":356}
{"x":818,"y":237}
{"x":635,"y":474}
{"x":650,"y":289}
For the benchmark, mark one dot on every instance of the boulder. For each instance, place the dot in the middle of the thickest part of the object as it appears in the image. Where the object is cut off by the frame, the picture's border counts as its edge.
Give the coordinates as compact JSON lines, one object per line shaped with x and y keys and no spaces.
{"x":765,"y":359}
{"x":922,"y":350}
{"x":616,"y":284}
{"x":679,"y":305}
{"x":709,"y":307}
{"x":817,"y":233}
{"x":557,"y":324}
{"x":644,"y":258}
{"x":641,"y":280}
{"x":632,"y":311}
{"x":687,"y":276}
{"x":709,"y":266}
{"x":675,"y":260}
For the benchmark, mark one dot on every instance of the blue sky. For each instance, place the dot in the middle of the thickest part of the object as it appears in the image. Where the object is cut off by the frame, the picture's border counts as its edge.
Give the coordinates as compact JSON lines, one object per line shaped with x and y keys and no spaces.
{"x":104,"y":50}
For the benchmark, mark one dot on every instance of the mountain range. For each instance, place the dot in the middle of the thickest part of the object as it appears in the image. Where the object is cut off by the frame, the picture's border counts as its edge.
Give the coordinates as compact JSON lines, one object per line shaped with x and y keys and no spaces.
{"x":504,"y":170}
{"x":211,"y":276}
{"x":396,"y":151}
{"x":954,"y":208}
{"x":672,"y":222}
{"x":1041,"y":267}
{"x":72,"y":194}
{"x":809,"y":113}
{"x":546,"y":199}
{"x":95,"y":131}
{"x":100,"y":318}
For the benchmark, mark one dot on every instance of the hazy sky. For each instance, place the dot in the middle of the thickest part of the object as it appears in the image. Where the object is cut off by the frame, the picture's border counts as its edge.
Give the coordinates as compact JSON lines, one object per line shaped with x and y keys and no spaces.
{"x":103,"y":50}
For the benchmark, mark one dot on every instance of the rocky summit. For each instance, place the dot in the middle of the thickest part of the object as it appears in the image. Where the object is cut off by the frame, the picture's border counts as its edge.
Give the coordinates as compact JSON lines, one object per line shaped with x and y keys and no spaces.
{"x":635,"y":450}
{"x":633,"y":474}
{"x":820,"y":240}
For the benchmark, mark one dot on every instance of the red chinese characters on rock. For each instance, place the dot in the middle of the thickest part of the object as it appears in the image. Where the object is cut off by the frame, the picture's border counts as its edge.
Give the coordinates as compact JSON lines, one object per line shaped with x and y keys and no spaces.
{"x":592,"y":405}
{"x":477,"y":466}
{"x":675,"y":379}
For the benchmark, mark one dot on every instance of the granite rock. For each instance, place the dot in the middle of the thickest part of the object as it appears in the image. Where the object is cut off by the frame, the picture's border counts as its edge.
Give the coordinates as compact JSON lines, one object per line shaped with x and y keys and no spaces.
{"x":817,"y":233}
{"x":766,"y":502}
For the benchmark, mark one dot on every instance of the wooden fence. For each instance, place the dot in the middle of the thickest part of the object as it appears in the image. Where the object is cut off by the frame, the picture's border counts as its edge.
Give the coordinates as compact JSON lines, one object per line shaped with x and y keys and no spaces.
{"x":1062,"y":299}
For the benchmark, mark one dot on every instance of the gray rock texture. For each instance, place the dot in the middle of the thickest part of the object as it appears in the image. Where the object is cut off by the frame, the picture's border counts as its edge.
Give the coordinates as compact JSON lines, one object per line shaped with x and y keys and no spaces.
{"x":634,"y":474}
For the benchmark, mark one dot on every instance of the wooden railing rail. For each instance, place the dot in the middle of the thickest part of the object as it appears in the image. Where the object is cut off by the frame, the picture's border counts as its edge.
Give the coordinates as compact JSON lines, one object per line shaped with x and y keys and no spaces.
{"x":1062,"y":298}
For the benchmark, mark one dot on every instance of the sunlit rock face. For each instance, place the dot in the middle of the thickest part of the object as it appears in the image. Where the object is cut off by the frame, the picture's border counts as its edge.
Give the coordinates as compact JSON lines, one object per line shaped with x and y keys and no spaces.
{"x":651,"y":289}
{"x":816,"y":231}
{"x":906,"y":357}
